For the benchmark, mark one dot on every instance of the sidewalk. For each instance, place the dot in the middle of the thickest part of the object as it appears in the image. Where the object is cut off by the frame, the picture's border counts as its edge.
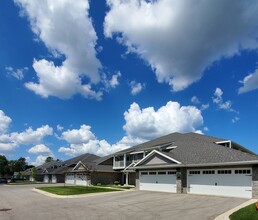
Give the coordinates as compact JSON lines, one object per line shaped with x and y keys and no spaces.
{"x":225,"y":216}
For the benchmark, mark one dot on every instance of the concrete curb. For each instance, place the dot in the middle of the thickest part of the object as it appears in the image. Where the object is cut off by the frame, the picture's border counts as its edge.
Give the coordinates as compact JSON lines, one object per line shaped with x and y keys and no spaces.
{"x":225,"y":216}
{"x":75,"y":196}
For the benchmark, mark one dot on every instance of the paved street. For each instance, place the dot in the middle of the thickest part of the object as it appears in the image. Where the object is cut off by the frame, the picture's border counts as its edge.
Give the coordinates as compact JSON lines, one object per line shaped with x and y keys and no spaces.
{"x":26,"y":204}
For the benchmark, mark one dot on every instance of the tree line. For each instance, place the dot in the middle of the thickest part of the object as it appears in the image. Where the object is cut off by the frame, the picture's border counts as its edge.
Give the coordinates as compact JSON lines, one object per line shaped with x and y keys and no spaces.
{"x":9,"y":167}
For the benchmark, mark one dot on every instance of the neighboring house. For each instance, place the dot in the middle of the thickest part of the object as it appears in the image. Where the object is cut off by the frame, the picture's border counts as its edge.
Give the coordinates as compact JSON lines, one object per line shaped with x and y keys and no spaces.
{"x":28,"y":175}
{"x":85,"y":170}
{"x":81,"y":170}
{"x":44,"y":172}
{"x":189,"y":163}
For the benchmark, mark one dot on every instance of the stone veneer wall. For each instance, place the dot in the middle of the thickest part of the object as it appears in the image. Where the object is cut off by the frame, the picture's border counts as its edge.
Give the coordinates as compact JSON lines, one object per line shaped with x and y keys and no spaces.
{"x":184,"y":180}
{"x":181,"y":183}
{"x":137,"y":181}
{"x":255,"y":182}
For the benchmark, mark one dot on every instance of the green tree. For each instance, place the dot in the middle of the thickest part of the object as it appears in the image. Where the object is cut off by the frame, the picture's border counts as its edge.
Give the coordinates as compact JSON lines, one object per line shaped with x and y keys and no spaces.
{"x":49,"y":159}
{"x":17,"y":165}
{"x":4,"y":169}
{"x":33,"y":173}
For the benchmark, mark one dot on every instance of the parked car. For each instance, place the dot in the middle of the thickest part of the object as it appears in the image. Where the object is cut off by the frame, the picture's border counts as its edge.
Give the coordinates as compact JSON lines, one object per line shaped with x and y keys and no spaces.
{"x":3,"y":180}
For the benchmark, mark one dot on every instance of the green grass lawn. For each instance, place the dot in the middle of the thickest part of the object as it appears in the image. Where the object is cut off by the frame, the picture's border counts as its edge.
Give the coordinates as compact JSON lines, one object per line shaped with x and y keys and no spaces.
{"x":246,"y":213}
{"x":75,"y":190}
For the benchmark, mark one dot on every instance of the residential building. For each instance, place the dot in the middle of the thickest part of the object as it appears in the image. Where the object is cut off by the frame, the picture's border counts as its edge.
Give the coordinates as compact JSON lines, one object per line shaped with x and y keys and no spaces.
{"x":190,"y":163}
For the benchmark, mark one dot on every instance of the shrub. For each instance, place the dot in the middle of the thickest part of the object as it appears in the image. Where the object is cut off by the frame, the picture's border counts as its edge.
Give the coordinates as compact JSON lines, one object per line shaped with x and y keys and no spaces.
{"x":116,"y":182}
{"x":98,"y":184}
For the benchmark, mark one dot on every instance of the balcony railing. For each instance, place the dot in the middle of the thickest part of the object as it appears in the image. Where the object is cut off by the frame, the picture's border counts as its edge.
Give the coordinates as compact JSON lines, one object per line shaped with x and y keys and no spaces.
{"x":119,"y":164}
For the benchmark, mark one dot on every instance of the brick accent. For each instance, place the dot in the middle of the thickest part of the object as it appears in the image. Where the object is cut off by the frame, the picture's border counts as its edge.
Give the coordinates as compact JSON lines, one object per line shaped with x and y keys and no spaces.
{"x":255,"y":182}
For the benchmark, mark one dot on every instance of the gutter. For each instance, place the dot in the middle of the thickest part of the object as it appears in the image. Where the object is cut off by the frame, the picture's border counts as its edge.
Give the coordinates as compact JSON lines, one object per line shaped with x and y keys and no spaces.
{"x":254,"y":162}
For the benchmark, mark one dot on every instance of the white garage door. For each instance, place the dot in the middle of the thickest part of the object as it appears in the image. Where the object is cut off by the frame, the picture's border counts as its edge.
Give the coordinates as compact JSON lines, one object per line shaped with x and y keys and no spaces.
{"x":162,"y":181}
{"x":69,"y":179}
{"x":221,"y":182}
{"x":82,"y":180}
{"x":46,"y":179}
{"x":53,"y":178}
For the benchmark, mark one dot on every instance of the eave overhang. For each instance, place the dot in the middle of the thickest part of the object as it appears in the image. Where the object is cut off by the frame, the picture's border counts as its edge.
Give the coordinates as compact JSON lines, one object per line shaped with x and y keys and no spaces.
{"x":225,"y":164}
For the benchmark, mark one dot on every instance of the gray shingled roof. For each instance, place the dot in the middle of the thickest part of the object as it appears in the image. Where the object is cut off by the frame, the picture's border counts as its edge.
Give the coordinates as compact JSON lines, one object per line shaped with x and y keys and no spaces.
{"x":84,"y":158}
{"x":193,"y":148}
{"x":87,"y":159}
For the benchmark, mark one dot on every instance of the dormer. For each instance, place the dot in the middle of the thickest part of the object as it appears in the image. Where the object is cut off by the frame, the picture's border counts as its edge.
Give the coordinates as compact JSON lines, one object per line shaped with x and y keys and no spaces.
{"x":233,"y":145}
{"x":226,"y":143}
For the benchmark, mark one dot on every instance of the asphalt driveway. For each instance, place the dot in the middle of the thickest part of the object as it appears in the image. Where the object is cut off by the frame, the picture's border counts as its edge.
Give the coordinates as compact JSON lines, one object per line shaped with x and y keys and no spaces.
{"x":20,"y":203}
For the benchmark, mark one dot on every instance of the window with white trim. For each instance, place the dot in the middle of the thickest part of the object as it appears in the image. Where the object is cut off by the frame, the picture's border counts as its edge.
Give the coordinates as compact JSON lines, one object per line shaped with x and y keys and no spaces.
{"x":224,"y":171}
{"x":195,"y":172}
{"x":162,"y":173}
{"x":152,"y":173}
{"x":171,"y":172}
{"x":246,"y":171}
{"x":144,"y":173}
{"x":208,"y":172}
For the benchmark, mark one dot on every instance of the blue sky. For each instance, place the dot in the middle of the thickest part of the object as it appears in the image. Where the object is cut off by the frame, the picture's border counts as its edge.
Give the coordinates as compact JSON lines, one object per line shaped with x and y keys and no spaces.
{"x":100,"y":76}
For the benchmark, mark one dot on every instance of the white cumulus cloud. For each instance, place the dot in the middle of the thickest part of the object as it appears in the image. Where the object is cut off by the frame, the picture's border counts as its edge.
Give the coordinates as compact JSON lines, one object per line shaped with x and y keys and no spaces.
{"x":195,"y":100}
{"x":67,"y":31}
{"x":83,"y":140}
{"x":148,"y":123}
{"x":136,"y":87}
{"x":30,"y":136}
{"x":140,"y":125}
{"x":5,"y":121}
{"x":59,"y":127}
{"x":77,"y":136}
{"x":180,"y":39}
{"x":10,"y":141}
{"x":205,"y":106}
{"x":114,"y":82}
{"x":218,"y":99}
{"x":40,"y":149}
{"x":250,"y":82}
{"x":40,"y":159}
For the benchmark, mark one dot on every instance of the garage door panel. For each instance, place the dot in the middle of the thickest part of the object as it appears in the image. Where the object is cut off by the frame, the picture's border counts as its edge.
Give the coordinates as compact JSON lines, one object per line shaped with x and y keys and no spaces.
{"x":158,"y":182}
{"x":231,"y":184}
{"x":82,"y":180}
{"x":69,"y":179}
{"x":225,"y":180}
{"x":148,"y":179}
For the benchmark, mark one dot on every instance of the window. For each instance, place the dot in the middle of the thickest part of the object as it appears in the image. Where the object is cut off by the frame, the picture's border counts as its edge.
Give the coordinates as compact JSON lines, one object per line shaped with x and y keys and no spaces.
{"x":224,"y":171}
{"x":152,"y":173}
{"x":144,"y":173}
{"x":243,"y":171}
{"x":137,"y":157}
{"x":194,"y":172}
{"x":162,"y":173}
{"x":119,"y":158}
{"x":208,"y":172}
{"x":171,"y":172}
